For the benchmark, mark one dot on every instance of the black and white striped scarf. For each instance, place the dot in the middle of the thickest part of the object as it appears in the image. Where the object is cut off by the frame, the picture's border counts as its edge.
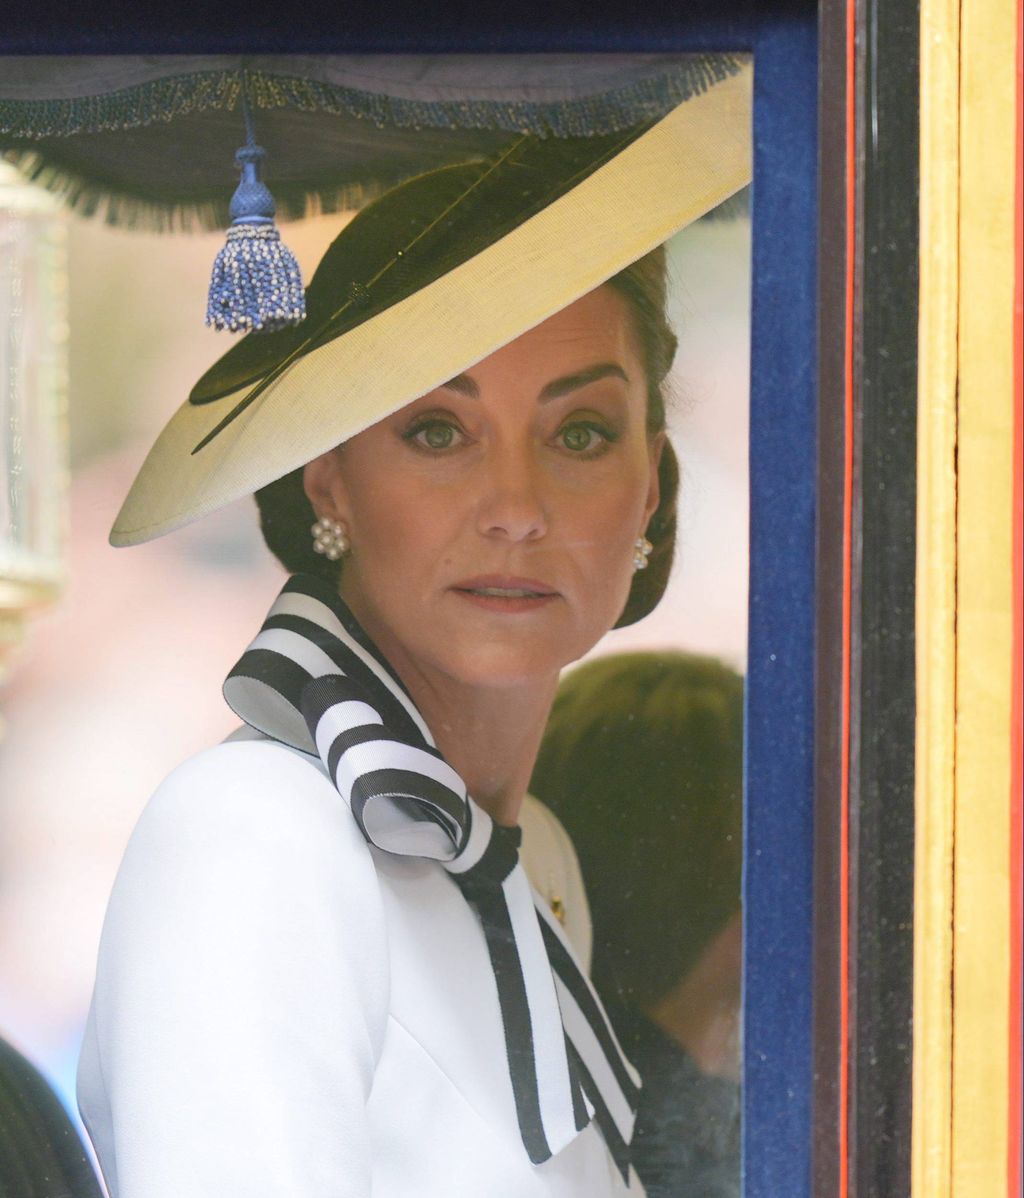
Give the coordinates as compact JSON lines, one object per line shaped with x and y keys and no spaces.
{"x":313,"y":680}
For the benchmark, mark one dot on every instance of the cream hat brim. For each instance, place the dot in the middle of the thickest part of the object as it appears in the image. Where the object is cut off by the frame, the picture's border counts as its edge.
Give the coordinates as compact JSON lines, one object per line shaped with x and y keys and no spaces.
{"x":682,"y":167}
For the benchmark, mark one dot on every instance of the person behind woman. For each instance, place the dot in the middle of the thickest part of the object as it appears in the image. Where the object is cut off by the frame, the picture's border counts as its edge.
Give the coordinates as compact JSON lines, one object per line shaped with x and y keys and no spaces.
{"x":642,"y":761}
{"x":41,"y":1155}
{"x":305,"y":994}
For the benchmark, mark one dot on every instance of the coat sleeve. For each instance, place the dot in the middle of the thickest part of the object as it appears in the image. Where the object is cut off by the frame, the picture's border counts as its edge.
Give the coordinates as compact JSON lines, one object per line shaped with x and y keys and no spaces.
{"x":242,"y":990}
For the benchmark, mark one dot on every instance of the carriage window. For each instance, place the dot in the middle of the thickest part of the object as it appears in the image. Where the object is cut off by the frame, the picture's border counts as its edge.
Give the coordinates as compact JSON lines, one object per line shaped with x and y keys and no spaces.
{"x":642,"y":761}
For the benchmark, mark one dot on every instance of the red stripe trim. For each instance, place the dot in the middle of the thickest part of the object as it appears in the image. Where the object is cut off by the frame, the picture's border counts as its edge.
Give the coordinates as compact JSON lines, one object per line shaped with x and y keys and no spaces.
{"x":1017,"y":700}
{"x":844,"y":795}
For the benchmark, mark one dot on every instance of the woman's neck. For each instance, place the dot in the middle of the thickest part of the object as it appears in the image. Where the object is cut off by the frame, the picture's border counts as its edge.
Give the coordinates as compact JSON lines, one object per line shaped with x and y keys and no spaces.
{"x":489,"y":735}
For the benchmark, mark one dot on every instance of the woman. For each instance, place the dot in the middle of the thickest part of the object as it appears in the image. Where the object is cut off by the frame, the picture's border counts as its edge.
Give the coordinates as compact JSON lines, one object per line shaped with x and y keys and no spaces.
{"x":300,"y":994}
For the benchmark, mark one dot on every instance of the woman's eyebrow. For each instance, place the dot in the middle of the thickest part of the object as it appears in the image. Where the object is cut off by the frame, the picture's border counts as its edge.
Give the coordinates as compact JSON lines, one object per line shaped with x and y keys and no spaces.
{"x":466,"y":385}
{"x":572,"y":382}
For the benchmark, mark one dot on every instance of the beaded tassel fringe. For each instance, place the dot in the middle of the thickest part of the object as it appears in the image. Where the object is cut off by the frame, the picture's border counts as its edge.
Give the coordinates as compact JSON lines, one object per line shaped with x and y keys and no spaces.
{"x":256,"y":286}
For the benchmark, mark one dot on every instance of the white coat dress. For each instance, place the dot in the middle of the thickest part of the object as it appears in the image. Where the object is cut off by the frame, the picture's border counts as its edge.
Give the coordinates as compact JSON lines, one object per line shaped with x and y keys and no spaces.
{"x":283,"y":1011}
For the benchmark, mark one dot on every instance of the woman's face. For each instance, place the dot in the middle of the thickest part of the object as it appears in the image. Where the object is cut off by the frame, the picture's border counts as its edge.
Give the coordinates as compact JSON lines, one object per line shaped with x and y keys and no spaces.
{"x":493,"y":520}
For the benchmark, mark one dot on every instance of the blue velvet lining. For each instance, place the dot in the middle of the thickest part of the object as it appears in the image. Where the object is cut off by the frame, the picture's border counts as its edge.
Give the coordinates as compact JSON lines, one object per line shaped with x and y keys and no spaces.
{"x":780,"y":711}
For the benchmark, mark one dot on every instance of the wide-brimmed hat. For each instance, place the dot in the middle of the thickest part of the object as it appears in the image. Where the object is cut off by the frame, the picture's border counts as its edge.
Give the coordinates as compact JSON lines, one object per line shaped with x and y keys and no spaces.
{"x":428,"y":280}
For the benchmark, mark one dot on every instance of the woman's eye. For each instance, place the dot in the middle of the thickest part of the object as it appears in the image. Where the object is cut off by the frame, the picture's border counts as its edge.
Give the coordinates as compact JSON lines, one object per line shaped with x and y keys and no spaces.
{"x":434,"y":434}
{"x":581,"y":438}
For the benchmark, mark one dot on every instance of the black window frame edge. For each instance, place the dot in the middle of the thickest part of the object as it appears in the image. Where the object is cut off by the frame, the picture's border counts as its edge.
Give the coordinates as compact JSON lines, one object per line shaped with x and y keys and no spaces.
{"x":882,"y":682}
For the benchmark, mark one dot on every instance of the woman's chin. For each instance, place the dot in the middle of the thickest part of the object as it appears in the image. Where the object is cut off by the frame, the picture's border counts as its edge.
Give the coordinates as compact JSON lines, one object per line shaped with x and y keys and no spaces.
{"x":489,"y":666}
{"x":509,"y":660}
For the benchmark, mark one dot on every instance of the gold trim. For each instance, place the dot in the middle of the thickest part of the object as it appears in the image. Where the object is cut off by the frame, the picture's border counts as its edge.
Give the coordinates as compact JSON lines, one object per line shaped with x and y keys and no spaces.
{"x":981,"y":896}
{"x":22,"y":596}
{"x":964,"y":597}
{"x":936,"y":599}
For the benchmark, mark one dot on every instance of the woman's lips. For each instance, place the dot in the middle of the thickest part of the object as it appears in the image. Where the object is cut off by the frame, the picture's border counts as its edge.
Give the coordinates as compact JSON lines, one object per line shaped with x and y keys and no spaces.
{"x":499,"y":593}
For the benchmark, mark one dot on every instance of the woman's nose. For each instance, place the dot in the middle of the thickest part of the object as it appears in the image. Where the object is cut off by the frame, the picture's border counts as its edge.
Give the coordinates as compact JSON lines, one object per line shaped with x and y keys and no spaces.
{"x":511,"y":503}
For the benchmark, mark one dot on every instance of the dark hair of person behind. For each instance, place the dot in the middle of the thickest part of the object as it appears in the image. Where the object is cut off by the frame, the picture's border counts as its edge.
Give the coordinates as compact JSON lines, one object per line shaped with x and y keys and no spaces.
{"x":643,"y":763}
{"x":41,"y":1155}
{"x":286,"y":515}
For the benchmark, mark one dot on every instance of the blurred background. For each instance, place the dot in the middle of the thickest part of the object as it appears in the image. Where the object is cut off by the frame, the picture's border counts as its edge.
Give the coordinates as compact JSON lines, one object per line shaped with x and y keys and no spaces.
{"x":120,"y":679}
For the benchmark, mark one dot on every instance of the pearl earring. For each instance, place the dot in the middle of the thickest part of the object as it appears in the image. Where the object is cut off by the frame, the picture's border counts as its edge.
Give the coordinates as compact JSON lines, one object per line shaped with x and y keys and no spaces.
{"x":641,"y":551}
{"x":330,"y":539}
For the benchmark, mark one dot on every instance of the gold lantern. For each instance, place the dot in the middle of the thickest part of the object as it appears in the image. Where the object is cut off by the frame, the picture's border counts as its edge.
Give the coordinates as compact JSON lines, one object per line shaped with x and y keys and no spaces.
{"x":33,"y":404}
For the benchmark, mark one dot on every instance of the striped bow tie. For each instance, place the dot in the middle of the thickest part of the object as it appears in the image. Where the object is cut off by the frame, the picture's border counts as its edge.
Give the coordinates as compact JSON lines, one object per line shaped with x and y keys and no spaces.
{"x":313,"y":679}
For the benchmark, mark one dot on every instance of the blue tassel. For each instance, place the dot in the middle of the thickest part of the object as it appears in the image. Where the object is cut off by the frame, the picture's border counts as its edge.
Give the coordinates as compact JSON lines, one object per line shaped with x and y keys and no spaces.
{"x":256,"y":286}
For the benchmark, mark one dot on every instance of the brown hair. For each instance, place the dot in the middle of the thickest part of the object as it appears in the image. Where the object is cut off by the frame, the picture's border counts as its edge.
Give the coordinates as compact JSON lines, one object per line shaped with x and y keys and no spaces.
{"x":286,"y":515}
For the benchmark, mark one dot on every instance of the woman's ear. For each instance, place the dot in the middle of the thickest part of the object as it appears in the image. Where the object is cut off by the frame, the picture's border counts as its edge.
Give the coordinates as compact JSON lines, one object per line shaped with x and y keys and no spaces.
{"x":324,"y":487}
{"x":655,"y":450}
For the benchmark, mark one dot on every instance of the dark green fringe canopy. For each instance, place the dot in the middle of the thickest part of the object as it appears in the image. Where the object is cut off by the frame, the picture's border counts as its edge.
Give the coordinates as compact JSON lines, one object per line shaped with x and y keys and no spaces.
{"x":159,"y":154}
{"x":177,"y":95}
